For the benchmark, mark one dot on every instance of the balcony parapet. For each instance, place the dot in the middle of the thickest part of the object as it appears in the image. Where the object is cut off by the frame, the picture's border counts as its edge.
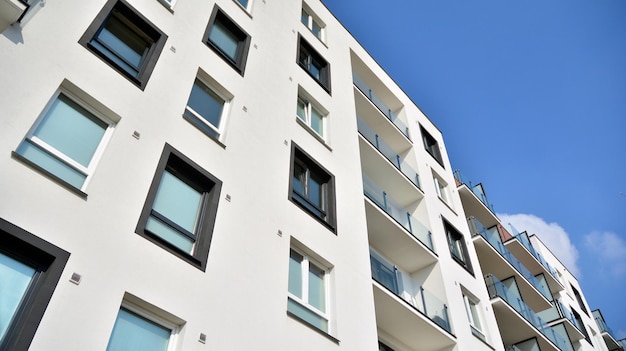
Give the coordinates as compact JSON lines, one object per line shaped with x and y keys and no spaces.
{"x":411,"y":292}
{"x":494,"y":240}
{"x":497,"y":289}
{"x":525,"y":241}
{"x":380,"y":105}
{"x":477,"y":189}
{"x":396,"y":211}
{"x":386,"y":150}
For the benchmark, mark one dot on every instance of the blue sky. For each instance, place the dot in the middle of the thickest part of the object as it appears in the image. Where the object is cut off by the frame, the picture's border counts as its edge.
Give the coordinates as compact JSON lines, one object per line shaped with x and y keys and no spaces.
{"x":531,"y":99}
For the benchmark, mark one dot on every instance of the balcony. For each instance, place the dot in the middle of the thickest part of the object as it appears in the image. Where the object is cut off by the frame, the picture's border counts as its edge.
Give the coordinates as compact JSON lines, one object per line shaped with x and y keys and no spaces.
{"x":407,"y":311}
{"x":377,"y":102}
{"x":558,"y":313}
{"x":475,"y":202}
{"x":384,"y":149}
{"x":397,"y":212}
{"x":496,"y":259}
{"x":607,"y":334}
{"x":509,"y":307}
{"x":521,"y":247}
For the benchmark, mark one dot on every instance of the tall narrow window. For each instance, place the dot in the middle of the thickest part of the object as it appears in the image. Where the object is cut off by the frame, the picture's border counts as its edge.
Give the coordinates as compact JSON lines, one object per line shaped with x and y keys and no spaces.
{"x":310,"y":116}
{"x":441,"y":188}
{"x":312,"y":188}
{"x":314,"y":64}
{"x":473,"y":316}
{"x":65,"y":140}
{"x":579,"y":299}
{"x":181,"y":207}
{"x":458,"y":250}
{"x":308,"y":290}
{"x":431,"y":145}
{"x":125,"y":40}
{"x":206,"y":109}
{"x":228,"y":40}
{"x":30,"y":269}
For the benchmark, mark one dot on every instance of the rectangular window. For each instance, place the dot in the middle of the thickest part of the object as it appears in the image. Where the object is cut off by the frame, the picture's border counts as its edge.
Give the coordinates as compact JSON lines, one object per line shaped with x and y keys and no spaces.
{"x":579,"y":299}
{"x":180,"y":209}
{"x":168,"y":3}
{"x":140,"y":326}
{"x":314,"y":64}
{"x":312,"y":188}
{"x":65,"y":141}
{"x":229,"y":41}
{"x":431,"y":145}
{"x":206,"y":109}
{"x":472,"y":310}
{"x":30,"y":269}
{"x":310,"y":116}
{"x":313,"y":23}
{"x":441,"y":188}
{"x":245,"y":4}
{"x":125,"y":40}
{"x":308,"y":290}
{"x":456,"y":243}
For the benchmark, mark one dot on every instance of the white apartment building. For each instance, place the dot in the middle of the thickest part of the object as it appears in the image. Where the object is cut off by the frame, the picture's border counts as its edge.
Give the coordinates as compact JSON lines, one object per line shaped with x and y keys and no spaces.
{"x":235,"y":175}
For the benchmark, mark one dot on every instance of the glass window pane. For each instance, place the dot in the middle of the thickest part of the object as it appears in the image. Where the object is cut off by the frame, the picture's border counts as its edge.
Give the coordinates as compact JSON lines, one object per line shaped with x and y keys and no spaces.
{"x":317,"y":29}
{"x":243,"y":3}
{"x":122,"y":44}
{"x":301,"y":110}
{"x":317,"y":290}
{"x":295,"y":273}
{"x":315,"y":70}
{"x":15,"y":278}
{"x":170,"y":234}
{"x":304,"y":17}
{"x":178,"y":201}
{"x":132,"y":332}
{"x":206,"y":103}
{"x":299,"y":174}
{"x":316,"y":122}
{"x":51,"y":164}
{"x":315,"y":190}
{"x":224,"y":39}
{"x":307,"y":315}
{"x":72,"y":130}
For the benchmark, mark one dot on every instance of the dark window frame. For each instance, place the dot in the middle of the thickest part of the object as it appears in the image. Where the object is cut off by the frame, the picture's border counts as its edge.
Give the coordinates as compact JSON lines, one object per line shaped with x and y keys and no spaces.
{"x":49,"y":261}
{"x":194,"y":175}
{"x":325,"y":215}
{"x":454,"y":236}
{"x":431,"y":145}
{"x":307,"y":51}
{"x":140,"y":26}
{"x":243,"y":46}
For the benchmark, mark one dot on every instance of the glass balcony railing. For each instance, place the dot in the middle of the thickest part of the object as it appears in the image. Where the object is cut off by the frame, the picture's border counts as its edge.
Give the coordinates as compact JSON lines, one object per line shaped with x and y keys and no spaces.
{"x":525,"y":240}
{"x":493,"y":238}
{"x":384,"y":109}
{"x":389,"y":153}
{"x":602,"y":324}
{"x":477,"y":189}
{"x":497,"y":289}
{"x":403,"y":286}
{"x":397,"y":212}
{"x":559,"y":311}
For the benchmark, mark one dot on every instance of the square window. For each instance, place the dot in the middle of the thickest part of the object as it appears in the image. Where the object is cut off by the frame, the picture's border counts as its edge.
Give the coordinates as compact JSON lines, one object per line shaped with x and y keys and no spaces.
{"x":310,"y":116}
{"x":314,"y":64}
{"x":313,"y":23}
{"x":30,"y":269}
{"x":125,"y":40}
{"x":308,"y":290}
{"x":180,"y":209}
{"x":431,"y":145}
{"x":229,"y":41}
{"x":206,"y":109}
{"x":472,"y":309}
{"x":65,"y":141}
{"x":456,"y":243}
{"x":312,"y":188}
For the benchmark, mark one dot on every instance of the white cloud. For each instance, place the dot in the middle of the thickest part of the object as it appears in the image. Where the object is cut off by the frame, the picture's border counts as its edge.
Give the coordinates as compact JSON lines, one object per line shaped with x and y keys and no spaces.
{"x":609,"y":248}
{"x":551,"y":234}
